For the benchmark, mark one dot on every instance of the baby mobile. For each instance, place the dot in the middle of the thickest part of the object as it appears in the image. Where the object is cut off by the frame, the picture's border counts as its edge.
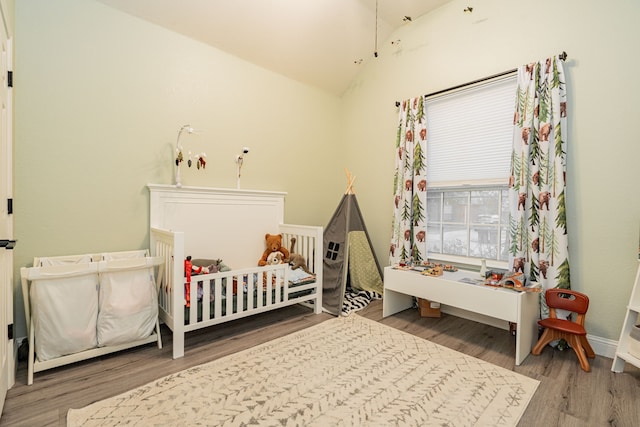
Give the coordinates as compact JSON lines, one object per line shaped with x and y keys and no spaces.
{"x":200,"y":159}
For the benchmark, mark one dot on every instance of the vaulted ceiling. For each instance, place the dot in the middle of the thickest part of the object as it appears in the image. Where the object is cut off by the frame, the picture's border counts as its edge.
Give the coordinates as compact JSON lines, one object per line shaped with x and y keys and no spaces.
{"x":322,"y":43}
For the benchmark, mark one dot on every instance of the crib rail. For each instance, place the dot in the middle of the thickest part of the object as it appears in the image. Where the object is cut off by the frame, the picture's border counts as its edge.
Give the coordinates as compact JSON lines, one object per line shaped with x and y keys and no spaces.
{"x":219,"y":297}
{"x":169,"y":245}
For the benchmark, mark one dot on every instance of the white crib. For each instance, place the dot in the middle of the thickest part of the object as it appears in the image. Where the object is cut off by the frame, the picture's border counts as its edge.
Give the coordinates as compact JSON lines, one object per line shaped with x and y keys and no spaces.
{"x":230,"y":225}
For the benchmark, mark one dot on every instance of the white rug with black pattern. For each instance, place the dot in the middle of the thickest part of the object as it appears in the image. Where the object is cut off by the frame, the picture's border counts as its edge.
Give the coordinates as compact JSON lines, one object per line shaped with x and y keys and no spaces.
{"x":347,"y":371}
{"x":355,"y":300}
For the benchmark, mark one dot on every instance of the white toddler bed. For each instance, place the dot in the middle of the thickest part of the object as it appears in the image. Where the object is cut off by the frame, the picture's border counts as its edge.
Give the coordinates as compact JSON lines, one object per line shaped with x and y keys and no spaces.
{"x":227,"y":225}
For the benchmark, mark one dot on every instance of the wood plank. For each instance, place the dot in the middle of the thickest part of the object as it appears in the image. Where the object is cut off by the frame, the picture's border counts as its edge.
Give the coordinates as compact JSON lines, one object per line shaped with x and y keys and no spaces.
{"x":567,"y":396}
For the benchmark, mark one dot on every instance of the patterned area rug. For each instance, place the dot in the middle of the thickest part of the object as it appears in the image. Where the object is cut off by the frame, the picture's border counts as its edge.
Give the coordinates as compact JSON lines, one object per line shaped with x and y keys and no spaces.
{"x":347,"y":371}
{"x":357,"y":300}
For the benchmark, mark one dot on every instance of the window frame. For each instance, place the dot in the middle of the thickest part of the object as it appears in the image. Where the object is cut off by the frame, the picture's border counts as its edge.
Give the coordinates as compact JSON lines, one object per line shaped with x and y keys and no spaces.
{"x":501,"y":226}
{"x":469,"y":186}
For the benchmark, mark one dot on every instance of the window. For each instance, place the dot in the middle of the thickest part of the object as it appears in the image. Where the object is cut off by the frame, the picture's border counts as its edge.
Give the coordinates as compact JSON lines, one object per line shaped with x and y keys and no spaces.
{"x":468,"y":161}
{"x":333,"y":249}
{"x":468,"y":223}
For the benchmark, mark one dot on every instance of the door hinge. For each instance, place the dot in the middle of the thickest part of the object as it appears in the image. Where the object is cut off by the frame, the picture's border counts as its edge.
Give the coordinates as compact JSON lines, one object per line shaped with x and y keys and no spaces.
{"x":9,"y":206}
{"x":9,"y":78}
{"x":7,"y":244}
{"x":10,"y":331}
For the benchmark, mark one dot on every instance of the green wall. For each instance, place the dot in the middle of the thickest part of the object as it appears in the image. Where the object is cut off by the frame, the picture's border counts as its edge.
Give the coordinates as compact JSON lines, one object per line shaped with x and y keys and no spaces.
{"x":100,"y":96}
{"x":448,"y":47}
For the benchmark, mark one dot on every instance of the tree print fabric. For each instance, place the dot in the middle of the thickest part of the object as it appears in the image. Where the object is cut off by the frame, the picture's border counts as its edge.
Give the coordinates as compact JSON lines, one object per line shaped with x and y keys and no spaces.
{"x":537,"y":185}
{"x":408,"y":240}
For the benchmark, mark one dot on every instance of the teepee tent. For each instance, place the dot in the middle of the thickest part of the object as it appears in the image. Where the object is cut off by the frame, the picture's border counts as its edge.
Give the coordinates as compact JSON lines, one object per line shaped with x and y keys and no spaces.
{"x":349,"y":260}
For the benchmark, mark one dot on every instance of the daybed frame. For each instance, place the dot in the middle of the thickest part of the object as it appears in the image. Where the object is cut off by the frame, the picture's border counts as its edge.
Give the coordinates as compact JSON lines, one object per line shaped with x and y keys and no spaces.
{"x":229,"y":225}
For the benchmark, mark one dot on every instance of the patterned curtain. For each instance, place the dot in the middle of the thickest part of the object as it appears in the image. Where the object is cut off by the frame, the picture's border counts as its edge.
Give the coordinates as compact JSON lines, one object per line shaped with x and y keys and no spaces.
{"x":408,"y":240}
{"x":538,"y":221}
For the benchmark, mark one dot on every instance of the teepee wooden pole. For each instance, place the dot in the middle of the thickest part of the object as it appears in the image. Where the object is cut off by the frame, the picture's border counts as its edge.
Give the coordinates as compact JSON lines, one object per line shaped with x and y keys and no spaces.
{"x":350,"y":180}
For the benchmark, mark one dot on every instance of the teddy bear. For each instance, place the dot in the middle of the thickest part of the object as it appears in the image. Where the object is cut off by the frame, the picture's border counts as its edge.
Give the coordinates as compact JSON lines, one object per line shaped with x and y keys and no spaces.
{"x":274,"y":244}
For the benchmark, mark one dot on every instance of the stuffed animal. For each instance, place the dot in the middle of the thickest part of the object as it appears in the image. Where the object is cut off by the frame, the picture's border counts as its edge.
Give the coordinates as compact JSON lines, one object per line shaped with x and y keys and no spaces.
{"x":274,"y":244}
{"x":189,"y":270}
{"x":192,"y":270}
{"x":213,"y":265}
{"x":296,"y":260}
{"x":275,"y":258}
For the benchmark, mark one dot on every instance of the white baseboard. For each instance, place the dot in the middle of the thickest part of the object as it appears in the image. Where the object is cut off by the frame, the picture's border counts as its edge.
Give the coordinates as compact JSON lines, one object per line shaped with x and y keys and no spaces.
{"x":601,"y":346}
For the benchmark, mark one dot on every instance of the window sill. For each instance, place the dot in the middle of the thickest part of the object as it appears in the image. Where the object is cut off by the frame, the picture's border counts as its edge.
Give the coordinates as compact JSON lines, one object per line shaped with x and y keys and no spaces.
{"x":468,"y":263}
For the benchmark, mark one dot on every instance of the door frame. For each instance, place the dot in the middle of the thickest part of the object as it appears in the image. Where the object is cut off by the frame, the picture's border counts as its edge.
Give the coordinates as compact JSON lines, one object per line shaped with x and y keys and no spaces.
{"x":7,"y":347}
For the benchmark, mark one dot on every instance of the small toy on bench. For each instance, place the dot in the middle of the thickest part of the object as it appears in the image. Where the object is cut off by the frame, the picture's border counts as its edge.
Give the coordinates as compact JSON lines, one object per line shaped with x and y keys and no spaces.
{"x":433,"y":271}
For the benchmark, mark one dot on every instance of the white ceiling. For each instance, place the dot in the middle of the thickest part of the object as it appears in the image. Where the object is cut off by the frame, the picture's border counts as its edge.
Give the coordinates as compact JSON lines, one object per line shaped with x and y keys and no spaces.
{"x":319,"y":42}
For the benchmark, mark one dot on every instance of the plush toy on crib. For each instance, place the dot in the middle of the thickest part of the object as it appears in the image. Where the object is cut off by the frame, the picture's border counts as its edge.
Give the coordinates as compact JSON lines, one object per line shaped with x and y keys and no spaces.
{"x":296,"y":260}
{"x":275,"y":258}
{"x":189,"y":270}
{"x":213,"y":265}
{"x":274,"y":244}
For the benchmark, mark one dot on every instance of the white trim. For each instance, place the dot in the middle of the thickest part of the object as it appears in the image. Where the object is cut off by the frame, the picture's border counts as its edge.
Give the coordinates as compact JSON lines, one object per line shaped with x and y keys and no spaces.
{"x":472,"y":262}
{"x":209,"y":190}
{"x":603,"y":346}
{"x":489,"y":184}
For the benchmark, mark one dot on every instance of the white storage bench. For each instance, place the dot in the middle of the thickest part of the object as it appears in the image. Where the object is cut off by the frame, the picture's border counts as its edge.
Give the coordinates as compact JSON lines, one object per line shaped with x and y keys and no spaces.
{"x":83,"y":306}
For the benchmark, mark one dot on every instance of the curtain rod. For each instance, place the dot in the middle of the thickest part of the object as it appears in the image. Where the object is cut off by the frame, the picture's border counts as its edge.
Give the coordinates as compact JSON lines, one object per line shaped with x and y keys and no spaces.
{"x":562,"y":56}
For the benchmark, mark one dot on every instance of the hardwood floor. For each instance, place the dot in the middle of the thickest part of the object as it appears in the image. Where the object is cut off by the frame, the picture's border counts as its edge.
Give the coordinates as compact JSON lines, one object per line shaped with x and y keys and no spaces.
{"x":567,"y":396}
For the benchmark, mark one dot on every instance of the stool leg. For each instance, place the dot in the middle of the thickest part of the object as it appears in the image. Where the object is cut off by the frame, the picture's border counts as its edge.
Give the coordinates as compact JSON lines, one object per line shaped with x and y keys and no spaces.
{"x":547,"y":336}
{"x":587,"y":347}
{"x":576,"y":344}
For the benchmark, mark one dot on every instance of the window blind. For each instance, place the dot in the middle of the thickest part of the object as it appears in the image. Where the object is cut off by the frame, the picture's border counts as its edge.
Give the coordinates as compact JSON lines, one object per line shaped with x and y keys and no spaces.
{"x":470,"y":134}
